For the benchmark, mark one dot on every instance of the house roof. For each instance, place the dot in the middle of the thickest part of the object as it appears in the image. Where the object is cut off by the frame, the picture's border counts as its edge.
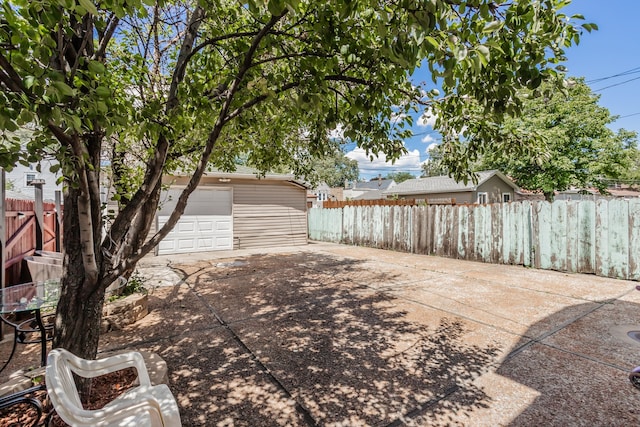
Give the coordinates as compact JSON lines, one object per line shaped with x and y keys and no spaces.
{"x":245,"y":172}
{"x":445,"y":184}
{"x":371,"y":195}
{"x":374,"y":184}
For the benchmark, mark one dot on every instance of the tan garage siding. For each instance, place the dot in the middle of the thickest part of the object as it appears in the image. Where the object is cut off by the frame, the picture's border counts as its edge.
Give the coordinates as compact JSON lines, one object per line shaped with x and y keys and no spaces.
{"x":269,"y":214}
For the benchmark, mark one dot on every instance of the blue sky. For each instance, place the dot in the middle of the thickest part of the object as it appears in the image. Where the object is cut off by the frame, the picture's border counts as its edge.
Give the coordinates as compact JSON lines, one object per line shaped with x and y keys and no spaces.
{"x":601,"y":55}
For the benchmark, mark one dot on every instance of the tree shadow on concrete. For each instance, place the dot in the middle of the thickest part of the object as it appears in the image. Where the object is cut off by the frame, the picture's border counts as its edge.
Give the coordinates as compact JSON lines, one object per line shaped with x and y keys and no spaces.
{"x":578,"y":374}
{"x":293,"y":341}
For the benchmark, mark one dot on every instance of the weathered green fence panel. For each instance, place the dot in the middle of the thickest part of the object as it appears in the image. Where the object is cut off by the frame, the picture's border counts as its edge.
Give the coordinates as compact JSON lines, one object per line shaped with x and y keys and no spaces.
{"x":600,"y":237}
{"x":571,"y":236}
{"x":463,"y":231}
{"x":586,"y":237}
{"x":557,"y":236}
{"x":325,"y":225}
{"x":618,"y":238}
{"x":541,"y":217}
{"x":634,"y":238}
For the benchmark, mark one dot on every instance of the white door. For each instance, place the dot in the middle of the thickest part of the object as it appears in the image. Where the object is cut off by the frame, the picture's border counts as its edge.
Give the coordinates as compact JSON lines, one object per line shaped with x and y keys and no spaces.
{"x":206,"y":225}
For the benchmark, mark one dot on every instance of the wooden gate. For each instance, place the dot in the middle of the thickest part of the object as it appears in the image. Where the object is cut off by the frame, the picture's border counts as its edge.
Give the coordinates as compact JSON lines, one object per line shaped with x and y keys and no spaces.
{"x":20,"y":225}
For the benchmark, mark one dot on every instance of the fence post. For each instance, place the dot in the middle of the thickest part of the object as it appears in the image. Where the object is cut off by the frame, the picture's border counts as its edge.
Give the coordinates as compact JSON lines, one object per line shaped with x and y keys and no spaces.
{"x":39,"y":211}
{"x":58,"y":199}
{"x":3,"y":239}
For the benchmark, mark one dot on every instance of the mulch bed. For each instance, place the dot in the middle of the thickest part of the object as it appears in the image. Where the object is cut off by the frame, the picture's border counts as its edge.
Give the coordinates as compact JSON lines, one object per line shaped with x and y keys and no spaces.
{"x":103,"y":390}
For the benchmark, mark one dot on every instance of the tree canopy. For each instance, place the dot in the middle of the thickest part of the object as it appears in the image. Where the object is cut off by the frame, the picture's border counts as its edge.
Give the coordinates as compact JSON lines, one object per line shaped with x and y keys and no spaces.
{"x":334,"y":169}
{"x":147,"y":88}
{"x":577,"y":148}
{"x":399,"y":177}
{"x":434,"y":166}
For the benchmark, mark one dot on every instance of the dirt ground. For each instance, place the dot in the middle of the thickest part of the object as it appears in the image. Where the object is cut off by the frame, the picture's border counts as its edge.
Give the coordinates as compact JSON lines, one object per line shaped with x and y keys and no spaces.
{"x":334,"y":335}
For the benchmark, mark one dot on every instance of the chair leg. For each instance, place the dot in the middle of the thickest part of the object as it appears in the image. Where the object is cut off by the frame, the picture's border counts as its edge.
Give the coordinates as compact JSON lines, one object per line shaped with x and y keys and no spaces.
{"x":13,"y":350}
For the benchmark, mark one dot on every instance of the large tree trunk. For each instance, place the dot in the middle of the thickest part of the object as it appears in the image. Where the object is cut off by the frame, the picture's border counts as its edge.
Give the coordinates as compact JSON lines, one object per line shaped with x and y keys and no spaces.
{"x":79,"y":310}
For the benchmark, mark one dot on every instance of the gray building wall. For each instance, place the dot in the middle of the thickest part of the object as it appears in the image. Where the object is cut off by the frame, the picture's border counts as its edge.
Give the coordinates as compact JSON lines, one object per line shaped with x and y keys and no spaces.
{"x":495,"y":187}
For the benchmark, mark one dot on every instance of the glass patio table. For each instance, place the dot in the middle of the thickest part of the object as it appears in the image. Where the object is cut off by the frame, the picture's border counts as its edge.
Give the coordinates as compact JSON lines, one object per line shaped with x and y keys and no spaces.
{"x":29,"y":298}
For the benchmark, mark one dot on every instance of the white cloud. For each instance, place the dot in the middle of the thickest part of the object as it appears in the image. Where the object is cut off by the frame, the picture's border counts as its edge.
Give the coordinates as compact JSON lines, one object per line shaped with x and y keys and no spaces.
{"x":337,"y":133}
{"x":430,"y":146}
{"x":428,"y":118}
{"x":409,"y":162}
{"x":397,"y":117}
{"x":428,"y":139}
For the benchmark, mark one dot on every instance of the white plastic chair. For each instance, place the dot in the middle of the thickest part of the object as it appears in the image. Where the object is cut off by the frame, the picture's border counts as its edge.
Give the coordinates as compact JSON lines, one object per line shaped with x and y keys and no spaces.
{"x":141,"y":406}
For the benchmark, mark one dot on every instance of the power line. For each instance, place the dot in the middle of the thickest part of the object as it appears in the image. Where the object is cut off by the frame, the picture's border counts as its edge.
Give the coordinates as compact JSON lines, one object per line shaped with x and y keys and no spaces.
{"x":616,"y":84}
{"x":624,"y":73}
{"x":629,"y":115}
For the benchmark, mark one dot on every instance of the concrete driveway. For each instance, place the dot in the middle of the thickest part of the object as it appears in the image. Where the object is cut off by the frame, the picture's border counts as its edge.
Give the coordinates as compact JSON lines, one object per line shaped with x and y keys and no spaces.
{"x":336,"y":335}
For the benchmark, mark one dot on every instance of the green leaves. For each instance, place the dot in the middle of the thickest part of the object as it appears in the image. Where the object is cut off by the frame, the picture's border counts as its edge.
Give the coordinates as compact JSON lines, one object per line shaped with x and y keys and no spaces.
{"x":492,"y":26}
{"x":88,"y":6}
{"x":564,"y":141}
{"x":278,"y":91}
{"x":62,"y":88}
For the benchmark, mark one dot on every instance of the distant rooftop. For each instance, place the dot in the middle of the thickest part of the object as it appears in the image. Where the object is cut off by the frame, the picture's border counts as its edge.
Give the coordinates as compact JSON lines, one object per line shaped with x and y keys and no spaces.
{"x":443,"y":184}
{"x":375,"y":184}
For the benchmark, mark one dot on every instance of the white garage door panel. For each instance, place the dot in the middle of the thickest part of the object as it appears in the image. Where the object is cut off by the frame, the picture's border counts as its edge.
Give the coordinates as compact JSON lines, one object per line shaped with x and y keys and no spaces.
{"x":223,"y":225}
{"x":206,"y":225}
{"x":197,"y":233}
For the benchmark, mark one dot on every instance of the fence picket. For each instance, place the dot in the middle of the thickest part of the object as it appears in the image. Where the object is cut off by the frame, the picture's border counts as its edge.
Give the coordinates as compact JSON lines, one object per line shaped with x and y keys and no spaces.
{"x":600,"y":237}
{"x":634,"y":238}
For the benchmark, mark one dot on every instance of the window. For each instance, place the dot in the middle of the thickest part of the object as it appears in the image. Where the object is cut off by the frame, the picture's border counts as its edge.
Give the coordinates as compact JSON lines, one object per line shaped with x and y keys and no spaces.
{"x":322,"y":197}
{"x":482,"y":198}
{"x":28,"y":177}
{"x":506,"y":197}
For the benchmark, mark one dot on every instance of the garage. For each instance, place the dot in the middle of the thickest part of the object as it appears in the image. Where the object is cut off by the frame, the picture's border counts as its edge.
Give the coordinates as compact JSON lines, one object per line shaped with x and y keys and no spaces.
{"x":206,"y":225}
{"x":235,"y":210}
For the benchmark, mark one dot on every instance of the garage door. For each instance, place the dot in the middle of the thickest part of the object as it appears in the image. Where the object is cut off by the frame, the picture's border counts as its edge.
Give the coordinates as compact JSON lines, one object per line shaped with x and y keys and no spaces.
{"x":206,"y":224}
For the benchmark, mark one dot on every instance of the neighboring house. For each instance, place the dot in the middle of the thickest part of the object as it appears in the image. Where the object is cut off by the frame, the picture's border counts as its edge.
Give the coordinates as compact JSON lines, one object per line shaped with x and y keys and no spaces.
{"x":357,"y":189}
{"x":323,"y":193}
{"x":619,"y":191}
{"x":19,"y":178}
{"x":235,"y":211}
{"x":371,"y":195}
{"x":492,"y":187}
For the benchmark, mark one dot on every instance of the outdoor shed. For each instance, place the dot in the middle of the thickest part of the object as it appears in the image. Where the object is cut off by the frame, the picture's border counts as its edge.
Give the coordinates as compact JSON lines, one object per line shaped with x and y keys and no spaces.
{"x":235,"y":211}
{"x":491,"y":187}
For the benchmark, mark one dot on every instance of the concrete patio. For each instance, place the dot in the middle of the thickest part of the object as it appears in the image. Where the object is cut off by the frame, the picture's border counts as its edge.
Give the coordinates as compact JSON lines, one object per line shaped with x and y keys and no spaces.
{"x":336,"y":335}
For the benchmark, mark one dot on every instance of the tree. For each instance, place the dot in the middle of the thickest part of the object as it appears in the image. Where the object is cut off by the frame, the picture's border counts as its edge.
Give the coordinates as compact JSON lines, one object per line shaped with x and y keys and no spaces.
{"x":434,"y":165}
{"x":577,"y":148}
{"x":334,"y":169}
{"x":399,"y":177}
{"x":147,"y":88}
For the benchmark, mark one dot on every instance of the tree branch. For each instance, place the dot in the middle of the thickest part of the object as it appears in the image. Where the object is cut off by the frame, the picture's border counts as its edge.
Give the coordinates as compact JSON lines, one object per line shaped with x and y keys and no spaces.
{"x":183,"y":57}
{"x":206,"y":154}
{"x":106,"y":38}
{"x":12,"y":79}
{"x":290,"y":56}
{"x":58,"y":132}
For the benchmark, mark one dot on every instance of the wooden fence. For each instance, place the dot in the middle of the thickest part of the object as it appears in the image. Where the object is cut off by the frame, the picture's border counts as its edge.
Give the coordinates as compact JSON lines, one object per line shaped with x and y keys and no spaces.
{"x":20,"y":223}
{"x":331,"y":204}
{"x":601,"y":237}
